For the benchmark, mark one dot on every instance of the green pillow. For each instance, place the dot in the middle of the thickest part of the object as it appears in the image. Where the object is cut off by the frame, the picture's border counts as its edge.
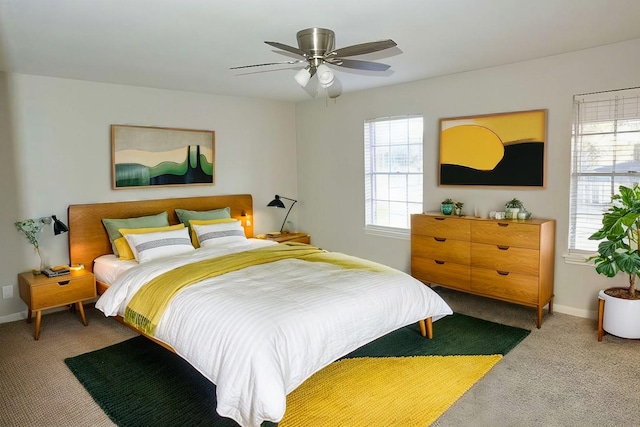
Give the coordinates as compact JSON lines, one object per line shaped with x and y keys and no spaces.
{"x":185,"y":216}
{"x":113,"y":225}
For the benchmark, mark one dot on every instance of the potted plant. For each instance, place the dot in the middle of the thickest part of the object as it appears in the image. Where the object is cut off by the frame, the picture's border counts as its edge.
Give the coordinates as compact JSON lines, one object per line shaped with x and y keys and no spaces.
{"x":458,"y":208}
{"x":512,"y":207}
{"x":618,"y":252}
{"x":31,"y":228}
{"x":446,"y":207}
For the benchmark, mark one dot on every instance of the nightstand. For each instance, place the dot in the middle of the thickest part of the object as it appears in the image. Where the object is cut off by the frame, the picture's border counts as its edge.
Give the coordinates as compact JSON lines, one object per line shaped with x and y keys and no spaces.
{"x":41,"y":293}
{"x":287,"y":237}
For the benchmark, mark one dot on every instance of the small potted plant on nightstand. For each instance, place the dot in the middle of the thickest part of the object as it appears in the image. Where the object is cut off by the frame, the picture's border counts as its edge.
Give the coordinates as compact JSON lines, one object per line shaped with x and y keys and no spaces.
{"x":512,"y":207}
{"x":618,"y":253}
{"x":446,"y":207}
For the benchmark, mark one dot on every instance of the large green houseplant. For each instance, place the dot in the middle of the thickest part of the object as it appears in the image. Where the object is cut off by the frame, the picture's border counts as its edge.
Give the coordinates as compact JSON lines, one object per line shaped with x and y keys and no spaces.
{"x":618,"y":252}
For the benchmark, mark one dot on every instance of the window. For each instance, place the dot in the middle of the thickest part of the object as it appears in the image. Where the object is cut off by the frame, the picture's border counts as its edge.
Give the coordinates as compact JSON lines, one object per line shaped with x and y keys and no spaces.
{"x":605,"y":152}
{"x":393,"y":166}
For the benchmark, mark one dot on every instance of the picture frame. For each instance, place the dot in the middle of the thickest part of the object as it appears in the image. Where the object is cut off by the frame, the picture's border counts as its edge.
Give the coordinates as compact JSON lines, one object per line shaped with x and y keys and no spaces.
{"x":145,"y":156}
{"x":496,"y":150}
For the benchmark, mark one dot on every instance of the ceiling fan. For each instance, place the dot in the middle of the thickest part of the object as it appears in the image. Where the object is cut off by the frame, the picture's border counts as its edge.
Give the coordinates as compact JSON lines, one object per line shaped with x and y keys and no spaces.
{"x":316,"y":46}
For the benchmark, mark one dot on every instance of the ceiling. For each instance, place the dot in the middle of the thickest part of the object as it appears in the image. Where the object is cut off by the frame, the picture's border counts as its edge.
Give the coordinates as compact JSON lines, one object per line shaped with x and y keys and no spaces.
{"x":191,"y":44}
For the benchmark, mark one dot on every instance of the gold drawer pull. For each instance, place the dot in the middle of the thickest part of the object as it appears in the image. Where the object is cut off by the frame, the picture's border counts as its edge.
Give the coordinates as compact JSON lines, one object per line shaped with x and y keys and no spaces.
{"x":503,"y":248}
{"x":439,"y":262}
{"x":439,"y":239}
{"x":502,"y":224}
{"x":503,"y":273}
{"x":64,"y":282}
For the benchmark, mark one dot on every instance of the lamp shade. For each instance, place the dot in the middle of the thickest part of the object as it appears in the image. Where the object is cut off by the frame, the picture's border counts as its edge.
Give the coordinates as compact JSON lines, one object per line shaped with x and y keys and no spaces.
{"x":325,"y":75}
{"x":59,"y":227}
{"x":276,"y":203}
{"x":302,"y":77}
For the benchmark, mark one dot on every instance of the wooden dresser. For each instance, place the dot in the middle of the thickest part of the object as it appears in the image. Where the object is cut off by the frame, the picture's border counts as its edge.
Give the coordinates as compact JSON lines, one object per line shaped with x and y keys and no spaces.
{"x":509,"y":260}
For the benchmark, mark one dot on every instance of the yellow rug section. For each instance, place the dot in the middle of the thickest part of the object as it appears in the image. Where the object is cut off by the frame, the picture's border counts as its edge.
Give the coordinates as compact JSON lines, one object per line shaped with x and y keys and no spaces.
{"x":386,"y":391}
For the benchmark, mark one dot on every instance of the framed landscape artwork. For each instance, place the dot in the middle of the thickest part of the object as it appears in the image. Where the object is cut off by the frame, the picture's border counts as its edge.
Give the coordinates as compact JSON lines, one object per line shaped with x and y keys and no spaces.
{"x":504,"y":150}
{"x":153,"y":157}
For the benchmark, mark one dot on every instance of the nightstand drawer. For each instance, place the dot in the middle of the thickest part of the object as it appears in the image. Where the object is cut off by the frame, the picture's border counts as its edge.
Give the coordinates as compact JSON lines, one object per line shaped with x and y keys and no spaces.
{"x":63,"y":290}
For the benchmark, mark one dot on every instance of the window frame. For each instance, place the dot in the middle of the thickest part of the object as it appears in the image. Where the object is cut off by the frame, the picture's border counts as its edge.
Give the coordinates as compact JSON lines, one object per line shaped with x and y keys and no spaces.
{"x":579,"y":223}
{"x":412,"y":200}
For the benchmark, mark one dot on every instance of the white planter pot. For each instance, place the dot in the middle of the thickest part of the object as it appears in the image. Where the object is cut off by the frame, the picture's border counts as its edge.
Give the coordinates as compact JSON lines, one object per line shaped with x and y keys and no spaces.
{"x":621,"y":316}
{"x":512,"y":212}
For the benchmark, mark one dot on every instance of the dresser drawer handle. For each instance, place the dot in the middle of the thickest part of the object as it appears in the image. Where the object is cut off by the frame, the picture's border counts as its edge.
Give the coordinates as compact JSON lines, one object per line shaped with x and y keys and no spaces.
{"x":503,"y":273}
{"x":439,"y":239}
{"x":439,"y":262}
{"x":503,"y":248}
{"x":440,"y":218}
{"x":502,"y":224}
{"x":64,"y":282}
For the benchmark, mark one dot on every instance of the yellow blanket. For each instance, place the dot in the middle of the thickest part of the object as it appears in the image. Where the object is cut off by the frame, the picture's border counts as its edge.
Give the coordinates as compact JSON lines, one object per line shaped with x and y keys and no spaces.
{"x":148,"y":304}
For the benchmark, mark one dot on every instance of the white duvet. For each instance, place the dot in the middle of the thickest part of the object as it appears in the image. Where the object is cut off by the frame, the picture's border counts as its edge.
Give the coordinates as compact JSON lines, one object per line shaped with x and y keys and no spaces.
{"x":258,"y":333}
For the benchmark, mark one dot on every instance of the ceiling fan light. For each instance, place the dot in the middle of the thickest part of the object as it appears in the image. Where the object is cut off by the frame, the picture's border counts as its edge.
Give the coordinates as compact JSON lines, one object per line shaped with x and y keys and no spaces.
{"x":302,"y":77}
{"x":325,"y":75}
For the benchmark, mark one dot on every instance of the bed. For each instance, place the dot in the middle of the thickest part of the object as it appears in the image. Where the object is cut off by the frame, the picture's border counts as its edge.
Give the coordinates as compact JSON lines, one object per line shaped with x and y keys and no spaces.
{"x":261,"y":317}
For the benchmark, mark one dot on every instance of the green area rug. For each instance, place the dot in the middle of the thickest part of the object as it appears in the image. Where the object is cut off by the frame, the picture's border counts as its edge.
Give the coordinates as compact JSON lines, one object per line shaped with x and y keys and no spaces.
{"x":139,"y":383}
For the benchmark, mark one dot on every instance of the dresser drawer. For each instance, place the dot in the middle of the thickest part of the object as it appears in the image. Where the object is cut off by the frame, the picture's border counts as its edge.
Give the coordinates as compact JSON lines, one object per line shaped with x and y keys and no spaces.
{"x":506,"y":258}
{"x":61,"y":291}
{"x":510,"y":286}
{"x":448,"y":274}
{"x":506,"y":233}
{"x":440,"y":248}
{"x":450,"y":227}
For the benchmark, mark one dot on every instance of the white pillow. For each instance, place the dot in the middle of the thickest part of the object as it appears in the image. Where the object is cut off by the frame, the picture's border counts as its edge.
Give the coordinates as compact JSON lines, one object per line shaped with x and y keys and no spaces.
{"x":224,"y":233}
{"x":148,"y":246}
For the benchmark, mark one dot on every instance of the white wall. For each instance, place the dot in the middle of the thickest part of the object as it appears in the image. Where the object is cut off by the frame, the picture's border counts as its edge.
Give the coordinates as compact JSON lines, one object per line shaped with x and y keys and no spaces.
{"x":58,"y":152}
{"x":330,"y":152}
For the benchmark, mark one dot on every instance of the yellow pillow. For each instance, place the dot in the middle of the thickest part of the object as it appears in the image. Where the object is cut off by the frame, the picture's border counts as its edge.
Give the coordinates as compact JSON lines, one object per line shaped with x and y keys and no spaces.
{"x":192,"y":222}
{"x":124,"y":250}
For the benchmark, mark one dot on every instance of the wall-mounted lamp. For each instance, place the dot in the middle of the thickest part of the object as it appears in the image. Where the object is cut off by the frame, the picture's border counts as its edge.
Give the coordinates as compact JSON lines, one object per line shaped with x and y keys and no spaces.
{"x":245,"y":219}
{"x":277,"y":203}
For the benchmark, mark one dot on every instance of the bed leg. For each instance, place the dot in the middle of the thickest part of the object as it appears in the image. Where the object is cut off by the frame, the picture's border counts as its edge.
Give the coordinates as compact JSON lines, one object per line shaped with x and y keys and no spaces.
{"x":426,"y":328}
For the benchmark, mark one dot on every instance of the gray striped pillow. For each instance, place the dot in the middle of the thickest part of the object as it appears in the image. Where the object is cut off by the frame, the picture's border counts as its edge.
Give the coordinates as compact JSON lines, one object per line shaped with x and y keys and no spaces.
{"x":225,"y":233}
{"x":149,"y":246}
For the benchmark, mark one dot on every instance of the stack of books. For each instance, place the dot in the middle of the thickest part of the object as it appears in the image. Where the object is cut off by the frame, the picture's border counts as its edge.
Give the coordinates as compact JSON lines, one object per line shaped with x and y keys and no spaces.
{"x":56,"y":271}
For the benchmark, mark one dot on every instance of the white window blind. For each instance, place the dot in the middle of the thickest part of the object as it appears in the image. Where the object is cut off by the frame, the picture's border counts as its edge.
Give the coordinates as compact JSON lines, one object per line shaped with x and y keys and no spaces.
{"x":605,"y":153}
{"x":393,"y":166}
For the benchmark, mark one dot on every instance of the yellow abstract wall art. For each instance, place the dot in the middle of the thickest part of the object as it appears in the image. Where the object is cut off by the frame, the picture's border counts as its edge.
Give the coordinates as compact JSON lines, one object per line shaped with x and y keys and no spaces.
{"x":505,"y":149}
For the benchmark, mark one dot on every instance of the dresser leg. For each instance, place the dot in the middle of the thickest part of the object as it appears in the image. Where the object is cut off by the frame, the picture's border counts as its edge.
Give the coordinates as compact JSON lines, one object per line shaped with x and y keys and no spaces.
{"x":29,"y":314}
{"x":81,"y":310}
{"x":36,"y":333}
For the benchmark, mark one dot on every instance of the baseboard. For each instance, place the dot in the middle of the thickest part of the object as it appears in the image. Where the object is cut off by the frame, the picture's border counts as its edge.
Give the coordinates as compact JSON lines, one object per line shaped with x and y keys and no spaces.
{"x":587,"y":314}
{"x":22,"y":315}
{"x":13,"y":317}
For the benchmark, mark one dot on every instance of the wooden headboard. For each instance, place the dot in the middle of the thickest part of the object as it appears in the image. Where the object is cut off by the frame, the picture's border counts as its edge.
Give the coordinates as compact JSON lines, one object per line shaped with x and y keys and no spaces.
{"x":88,"y":238}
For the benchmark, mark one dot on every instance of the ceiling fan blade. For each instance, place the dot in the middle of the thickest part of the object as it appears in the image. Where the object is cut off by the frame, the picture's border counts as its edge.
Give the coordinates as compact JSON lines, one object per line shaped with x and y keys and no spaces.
{"x":287,"y":48}
{"x":361,"y":49}
{"x":266,"y":63}
{"x":359,"y":65}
